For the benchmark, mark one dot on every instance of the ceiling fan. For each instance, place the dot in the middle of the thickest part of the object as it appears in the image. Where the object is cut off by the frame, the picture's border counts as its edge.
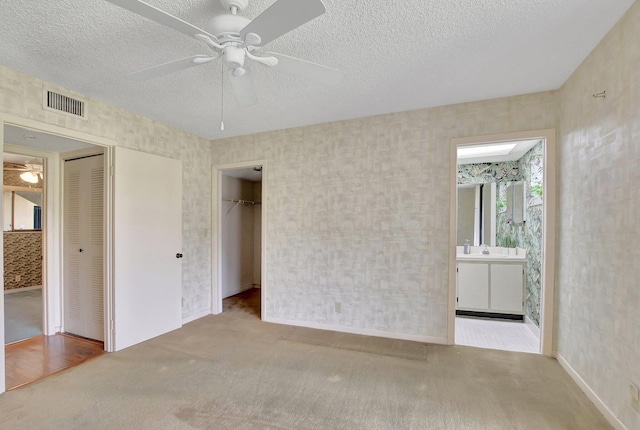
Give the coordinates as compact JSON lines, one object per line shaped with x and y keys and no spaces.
{"x":237,"y":39}
{"x":32,"y":172}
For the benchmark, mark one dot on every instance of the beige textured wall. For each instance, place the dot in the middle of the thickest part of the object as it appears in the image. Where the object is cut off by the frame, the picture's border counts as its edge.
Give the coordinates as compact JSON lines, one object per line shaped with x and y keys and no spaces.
{"x":358,"y":212}
{"x":21,"y":95}
{"x":23,"y":257}
{"x":599,"y":222}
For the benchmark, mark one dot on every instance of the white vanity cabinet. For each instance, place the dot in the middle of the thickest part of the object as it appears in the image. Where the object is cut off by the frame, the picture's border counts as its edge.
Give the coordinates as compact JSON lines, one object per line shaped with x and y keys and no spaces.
{"x":491,"y":286}
{"x":506,"y":294}
{"x":473,"y":286}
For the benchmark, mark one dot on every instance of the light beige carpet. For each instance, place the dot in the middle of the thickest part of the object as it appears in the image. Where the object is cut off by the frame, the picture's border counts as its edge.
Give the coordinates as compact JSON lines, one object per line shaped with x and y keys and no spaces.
{"x":232,"y":371}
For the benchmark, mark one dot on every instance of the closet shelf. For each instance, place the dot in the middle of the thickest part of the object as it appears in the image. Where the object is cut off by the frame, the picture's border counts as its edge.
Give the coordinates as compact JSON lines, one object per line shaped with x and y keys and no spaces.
{"x":246,"y":202}
{"x":239,"y":202}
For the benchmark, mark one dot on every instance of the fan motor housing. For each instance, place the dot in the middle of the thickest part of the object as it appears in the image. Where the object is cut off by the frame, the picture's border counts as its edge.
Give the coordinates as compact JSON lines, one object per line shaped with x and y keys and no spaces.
{"x":227,"y":25}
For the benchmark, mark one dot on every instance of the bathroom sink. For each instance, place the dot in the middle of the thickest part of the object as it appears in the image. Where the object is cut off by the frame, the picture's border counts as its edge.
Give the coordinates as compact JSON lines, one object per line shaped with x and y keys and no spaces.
{"x":489,"y":257}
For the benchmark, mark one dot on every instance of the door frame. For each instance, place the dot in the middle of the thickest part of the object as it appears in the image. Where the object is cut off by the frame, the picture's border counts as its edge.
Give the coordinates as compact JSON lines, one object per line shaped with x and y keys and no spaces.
{"x":216,"y":229}
{"x":548,"y":311}
{"x":52,"y":251}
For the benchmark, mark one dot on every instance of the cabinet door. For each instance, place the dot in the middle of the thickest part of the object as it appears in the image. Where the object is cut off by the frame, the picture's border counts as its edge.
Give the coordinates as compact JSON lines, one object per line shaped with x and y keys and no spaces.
{"x":473,"y":286}
{"x":506,"y":288}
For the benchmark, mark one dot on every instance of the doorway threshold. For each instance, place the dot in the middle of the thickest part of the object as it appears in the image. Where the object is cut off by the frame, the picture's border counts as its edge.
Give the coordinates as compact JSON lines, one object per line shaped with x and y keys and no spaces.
{"x":38,"y":357}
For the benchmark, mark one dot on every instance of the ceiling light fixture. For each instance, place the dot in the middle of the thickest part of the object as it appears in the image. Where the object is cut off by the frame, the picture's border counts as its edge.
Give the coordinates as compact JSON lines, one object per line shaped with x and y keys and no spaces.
{"x":30,"y":177}
{"x":485,"y":150}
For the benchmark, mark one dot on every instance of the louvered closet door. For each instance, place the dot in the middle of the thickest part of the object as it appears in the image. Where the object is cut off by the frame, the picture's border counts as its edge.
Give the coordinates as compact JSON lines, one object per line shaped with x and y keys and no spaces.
{"x":83,"y":247}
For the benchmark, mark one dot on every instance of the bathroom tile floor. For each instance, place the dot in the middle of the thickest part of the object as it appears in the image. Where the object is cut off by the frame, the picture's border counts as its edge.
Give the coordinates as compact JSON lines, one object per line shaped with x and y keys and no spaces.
{"x":495,"y":334}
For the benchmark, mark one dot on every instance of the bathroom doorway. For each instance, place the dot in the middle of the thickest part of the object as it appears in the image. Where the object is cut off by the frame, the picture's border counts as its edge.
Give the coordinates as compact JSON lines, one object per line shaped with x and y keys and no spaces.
{"x":501,"y":259}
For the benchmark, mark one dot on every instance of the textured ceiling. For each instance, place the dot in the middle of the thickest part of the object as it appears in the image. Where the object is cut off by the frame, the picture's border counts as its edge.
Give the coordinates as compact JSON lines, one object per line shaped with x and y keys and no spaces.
{"x":18,"y":136}
{"x":398,"y":55}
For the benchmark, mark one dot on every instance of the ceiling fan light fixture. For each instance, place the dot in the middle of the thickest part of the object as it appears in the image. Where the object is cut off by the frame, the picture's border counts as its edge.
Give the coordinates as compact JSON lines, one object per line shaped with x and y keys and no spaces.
{"x":29,"y":177}
{"x":234,"y":57}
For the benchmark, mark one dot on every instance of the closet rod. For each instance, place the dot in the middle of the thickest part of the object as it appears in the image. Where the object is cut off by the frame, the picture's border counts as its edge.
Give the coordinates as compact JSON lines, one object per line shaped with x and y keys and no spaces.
{"x":247,"y":202}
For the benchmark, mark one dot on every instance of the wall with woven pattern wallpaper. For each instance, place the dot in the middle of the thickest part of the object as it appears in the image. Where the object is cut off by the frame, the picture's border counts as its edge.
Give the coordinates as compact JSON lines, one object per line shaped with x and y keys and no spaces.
{"x":21,"y":95}
{"x":358,"y":212}
{"x":22,"y":257}
{"x":599,"y":220}
{"x":530,"y":234}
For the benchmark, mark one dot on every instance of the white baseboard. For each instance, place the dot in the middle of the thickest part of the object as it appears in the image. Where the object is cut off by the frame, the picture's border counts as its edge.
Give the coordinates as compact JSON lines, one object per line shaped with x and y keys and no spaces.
{"x":195,"y":317}
{"x":602,"y":407}
{"x":238,"y":291}
{"x":532,"y":326}
{"x":362,"y":331}
{"x":23,"y":289}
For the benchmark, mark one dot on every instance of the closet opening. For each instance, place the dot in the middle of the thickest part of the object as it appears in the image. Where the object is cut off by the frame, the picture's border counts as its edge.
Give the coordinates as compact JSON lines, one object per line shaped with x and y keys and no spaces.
{"x":240,"y":218}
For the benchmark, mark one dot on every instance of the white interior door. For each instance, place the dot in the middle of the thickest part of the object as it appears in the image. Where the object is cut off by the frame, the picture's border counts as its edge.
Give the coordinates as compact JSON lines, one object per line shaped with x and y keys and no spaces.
{"x":83,"y":247}
{"x":147,"y":230}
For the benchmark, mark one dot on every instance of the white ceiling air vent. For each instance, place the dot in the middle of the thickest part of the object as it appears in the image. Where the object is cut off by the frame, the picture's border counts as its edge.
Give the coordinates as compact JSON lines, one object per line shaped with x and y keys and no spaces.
{"x":54,"y":101}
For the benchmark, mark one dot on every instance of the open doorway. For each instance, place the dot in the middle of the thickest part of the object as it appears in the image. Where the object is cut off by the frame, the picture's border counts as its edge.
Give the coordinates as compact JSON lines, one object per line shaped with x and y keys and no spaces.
{"x":23,"y":240}
{"x":500,"y":243}
{"x":241,"y":220}
{"x":36,"y":343}
{"x":238,"y":249}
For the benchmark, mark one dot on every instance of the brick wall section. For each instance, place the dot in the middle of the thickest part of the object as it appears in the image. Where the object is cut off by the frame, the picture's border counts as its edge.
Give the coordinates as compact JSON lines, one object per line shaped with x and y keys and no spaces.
{"x":23,"y":257}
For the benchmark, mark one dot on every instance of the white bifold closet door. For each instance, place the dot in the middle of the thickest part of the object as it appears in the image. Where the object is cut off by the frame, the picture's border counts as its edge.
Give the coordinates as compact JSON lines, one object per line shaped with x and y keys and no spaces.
{"x":83,"y":247}
{"x":147,"y":211}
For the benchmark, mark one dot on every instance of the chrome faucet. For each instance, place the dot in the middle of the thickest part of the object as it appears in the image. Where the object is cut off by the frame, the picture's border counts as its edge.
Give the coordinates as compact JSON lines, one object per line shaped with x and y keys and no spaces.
{"x":485,"y":250}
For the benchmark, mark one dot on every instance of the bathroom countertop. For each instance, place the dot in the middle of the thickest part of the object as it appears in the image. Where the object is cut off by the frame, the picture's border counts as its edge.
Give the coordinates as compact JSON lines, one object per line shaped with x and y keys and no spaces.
{"x":490,"y":257}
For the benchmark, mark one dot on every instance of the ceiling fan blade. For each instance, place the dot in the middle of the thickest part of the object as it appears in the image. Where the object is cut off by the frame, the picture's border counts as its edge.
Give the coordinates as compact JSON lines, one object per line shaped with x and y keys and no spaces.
{"x":282,"y":17}
{"x":161,"y":17}
{"x":243,"y":89}
{"x":307,"y":70}
{"x":170,"y":67}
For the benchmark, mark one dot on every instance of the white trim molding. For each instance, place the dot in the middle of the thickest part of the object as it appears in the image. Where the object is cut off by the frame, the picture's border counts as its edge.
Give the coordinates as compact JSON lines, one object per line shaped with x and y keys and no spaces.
{"x":602,"y":407}
{"x":197,"y":316}
{"x":533,"y":328}
{"x":22,"y":289}
{"x":362,"y":331}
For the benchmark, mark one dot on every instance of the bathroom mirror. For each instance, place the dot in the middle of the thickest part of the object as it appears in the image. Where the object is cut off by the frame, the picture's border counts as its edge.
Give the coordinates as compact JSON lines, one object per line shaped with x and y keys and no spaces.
{"x":477,"y":214}
{"x":516,"y":207}
{"x":22,"y":210}
{"x":22,"y":192}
